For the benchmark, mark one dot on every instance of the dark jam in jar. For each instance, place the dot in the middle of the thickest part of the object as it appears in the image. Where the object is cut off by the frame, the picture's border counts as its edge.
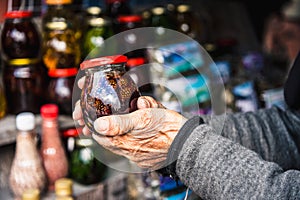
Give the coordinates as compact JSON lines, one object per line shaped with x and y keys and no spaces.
{"x":108,"y":89}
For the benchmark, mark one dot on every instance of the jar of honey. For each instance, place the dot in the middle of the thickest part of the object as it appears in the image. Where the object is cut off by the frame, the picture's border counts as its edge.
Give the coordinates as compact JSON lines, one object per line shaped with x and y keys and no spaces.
{"x":108,"y":89}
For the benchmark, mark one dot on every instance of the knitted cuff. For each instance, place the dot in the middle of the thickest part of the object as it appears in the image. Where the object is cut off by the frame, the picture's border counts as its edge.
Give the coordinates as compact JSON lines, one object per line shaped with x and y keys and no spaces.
{"x":176,"y":146}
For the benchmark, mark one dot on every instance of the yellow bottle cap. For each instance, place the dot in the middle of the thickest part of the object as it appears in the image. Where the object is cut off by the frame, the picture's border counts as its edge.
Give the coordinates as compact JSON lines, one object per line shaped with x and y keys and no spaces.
{"x":63,"y":187}
{"x":31,"y":194}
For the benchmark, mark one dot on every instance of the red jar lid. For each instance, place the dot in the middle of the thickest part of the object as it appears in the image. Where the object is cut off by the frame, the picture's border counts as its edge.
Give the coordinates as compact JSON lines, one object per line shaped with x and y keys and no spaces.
{"x":72,"y":132}
{"x":49,"y":111}
{"x":133,"y":62}
{"x":129,"y":18}
{"x":107,"y":60}
{"x":18,"y":14}
{"x":62,"y":72}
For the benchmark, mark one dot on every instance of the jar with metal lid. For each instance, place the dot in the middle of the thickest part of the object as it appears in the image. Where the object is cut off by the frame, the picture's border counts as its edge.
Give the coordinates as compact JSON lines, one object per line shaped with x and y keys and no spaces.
{"x":108,"y":89}
{"x":61,"y":46}
{"x":60,"y":88}
{"x":64,"y":189}
{"x":84,"y":167}
{"x":20,"y":37}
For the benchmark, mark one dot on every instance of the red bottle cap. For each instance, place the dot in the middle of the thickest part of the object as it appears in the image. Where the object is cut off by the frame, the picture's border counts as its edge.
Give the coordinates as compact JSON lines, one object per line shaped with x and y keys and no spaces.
{"x":17,"y":14}
{"x":129,"y":18}
{"x":107,"y":60}
{"x":62,"y":72}
{"x":72,"y":132}
{"x":134,"y":62}
{"x":49,"y":111}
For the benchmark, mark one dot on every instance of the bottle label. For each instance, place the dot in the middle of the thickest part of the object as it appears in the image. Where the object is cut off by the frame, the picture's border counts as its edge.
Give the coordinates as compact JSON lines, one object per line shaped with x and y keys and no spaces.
{"x":23,"y":61}
{"x":56,"y":25}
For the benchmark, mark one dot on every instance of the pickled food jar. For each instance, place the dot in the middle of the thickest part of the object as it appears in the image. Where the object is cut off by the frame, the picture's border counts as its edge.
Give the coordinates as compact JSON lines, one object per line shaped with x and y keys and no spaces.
{"x":108,"y":89}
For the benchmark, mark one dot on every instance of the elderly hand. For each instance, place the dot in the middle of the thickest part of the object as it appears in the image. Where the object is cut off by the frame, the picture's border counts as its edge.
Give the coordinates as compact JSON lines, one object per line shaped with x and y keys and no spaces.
{"x":143,"y":136}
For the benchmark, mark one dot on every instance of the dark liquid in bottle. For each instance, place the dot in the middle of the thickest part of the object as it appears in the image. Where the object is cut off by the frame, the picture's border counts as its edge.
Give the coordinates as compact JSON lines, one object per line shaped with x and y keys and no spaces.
{"x":114,"y":94}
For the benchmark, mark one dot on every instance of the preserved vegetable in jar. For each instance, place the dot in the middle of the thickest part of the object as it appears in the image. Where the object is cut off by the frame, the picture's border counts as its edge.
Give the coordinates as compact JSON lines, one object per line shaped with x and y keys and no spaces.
{"x":60,"y":88}
{"x":99,"y":29}
{"x":25,"y":81}
{"x":61,"y":47}
{"x":20,"y":37}
{"x":107,"y":89}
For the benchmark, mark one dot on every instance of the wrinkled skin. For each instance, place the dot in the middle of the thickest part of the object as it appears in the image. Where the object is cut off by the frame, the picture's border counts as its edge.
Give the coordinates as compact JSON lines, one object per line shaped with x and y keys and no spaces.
{"x":143,"y":136}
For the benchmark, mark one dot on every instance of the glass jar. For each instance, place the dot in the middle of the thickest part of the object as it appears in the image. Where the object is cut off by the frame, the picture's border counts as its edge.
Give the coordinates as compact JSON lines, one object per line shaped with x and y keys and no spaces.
{"x":99,"y":29}
{"x":60,"y":88}
{"x":24,"y":81}
{"x":84,"y":167}
{"x":107,"y":89}
{"x":20,"y":37}
{"x":61,"y":46}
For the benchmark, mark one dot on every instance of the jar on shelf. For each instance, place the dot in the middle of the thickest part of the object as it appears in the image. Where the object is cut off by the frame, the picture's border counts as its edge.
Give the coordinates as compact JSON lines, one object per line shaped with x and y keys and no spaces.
{"x":61,"y":35}
{"x":52,"y":150}
{"x":99,"y":28}
{"x":84,"y":167}
{"x":107,"y":89}
{"x":60,"y":88}
{"x":20,"y":37}
{"x":27,"y":171}
{"x":24,"y":76}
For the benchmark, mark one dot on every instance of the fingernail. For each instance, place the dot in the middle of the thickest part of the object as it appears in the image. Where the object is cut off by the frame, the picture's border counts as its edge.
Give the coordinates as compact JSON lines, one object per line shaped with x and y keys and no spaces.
{"x":143,"y":102}
{"x":101,"y":125}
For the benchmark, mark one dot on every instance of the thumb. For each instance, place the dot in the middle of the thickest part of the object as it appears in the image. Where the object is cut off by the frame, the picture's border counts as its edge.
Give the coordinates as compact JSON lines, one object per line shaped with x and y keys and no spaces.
{"x":121,"y":124}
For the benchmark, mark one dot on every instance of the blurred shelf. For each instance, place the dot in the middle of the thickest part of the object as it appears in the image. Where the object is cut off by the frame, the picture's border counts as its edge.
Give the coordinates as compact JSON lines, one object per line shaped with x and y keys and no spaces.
{"x":8,"y":130}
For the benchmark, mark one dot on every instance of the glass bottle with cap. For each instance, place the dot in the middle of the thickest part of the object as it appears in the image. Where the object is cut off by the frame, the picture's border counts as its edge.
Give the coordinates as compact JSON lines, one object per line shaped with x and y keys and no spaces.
{"x":64,"y":189}
{"x":52,"y":150}
{"x":60,"y":88}
{"x":20,"y":38}
{"x":99,"y":28}
{"x":24,"y":76}
{"x":27,"y":171}
{"x":84,"y":167}
{"x":107,"y":89}
{"x":61,"y":46}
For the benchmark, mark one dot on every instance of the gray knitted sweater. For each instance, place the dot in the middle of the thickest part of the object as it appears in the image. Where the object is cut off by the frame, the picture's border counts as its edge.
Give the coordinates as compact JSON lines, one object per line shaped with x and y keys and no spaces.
{"x":255,"y":156}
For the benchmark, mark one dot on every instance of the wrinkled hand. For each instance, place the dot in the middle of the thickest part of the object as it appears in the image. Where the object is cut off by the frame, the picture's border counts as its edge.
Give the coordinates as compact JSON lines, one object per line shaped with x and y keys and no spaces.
{"x":143,"y":136}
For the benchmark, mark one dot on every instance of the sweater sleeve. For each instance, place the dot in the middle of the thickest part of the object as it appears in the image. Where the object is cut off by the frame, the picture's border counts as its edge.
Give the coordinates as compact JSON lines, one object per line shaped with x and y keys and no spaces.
{"x":272,"y":133}
{"x":215,"y":167}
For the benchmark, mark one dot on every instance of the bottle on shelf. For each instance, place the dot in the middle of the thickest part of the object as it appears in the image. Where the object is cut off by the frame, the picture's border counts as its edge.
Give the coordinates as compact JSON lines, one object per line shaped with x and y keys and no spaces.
{"x":84,"y":167}
{"x":116,"y":8}
{"x":52,"y":150}
{"x":61,"y":35}
{"x":99,"y":28}
{"x":27,"y":171}
{"x":24,"y":76}
{"x":3,"y":103}
{"x":60,"y":88}
{"x":64,"y":189}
